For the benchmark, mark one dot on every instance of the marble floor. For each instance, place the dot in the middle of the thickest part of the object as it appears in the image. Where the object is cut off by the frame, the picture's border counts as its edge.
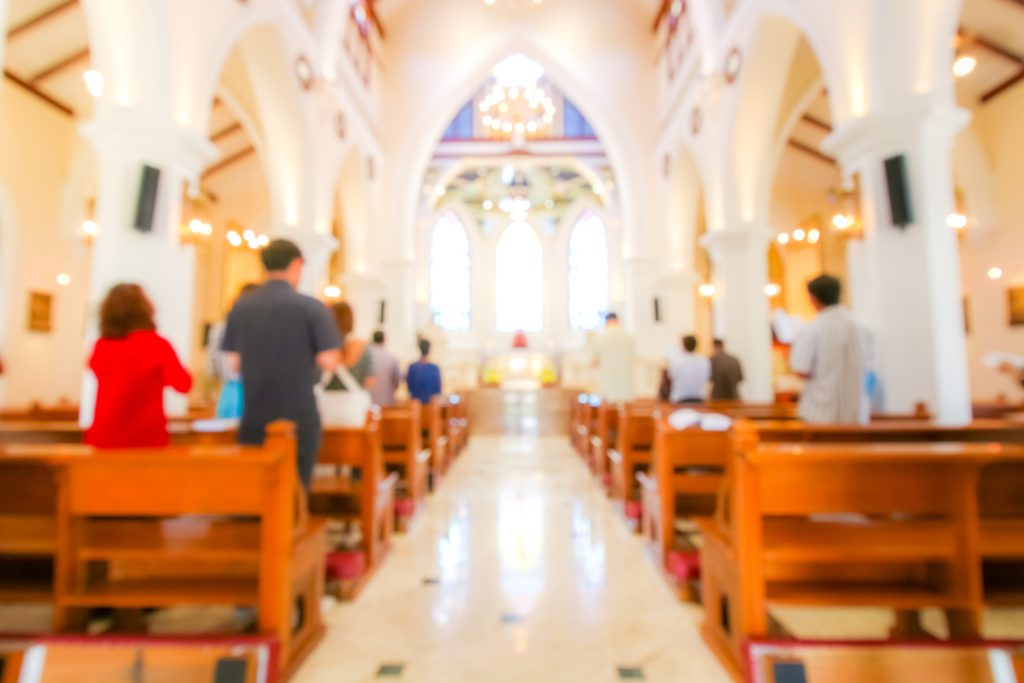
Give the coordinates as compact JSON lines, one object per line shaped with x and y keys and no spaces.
{"x":518,"y":571}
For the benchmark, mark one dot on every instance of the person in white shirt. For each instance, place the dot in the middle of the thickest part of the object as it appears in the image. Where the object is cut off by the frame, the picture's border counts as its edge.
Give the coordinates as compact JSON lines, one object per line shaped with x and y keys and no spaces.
{"x":832,"y":354}
{"x":614,"y":358}
{"x":689,"y":374}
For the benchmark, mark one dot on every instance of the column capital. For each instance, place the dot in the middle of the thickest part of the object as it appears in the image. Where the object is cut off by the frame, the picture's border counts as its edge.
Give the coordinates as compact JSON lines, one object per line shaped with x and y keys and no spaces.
{"x":640,"y":262}
{"x":887,"y":133}
{"x":131,"y":133}
{"x":362,"y":280}
{"x":679,"y":278}
{"x":739,"y":239}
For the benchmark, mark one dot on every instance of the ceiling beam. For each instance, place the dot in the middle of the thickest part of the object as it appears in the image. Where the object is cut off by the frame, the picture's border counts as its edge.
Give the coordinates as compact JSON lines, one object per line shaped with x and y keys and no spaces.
{"x":371,"y":10}
{"x":228,"y":161}
{"x":817,"y":123}
{"x":663,"y":10}
{"x":219,"y":135}
{"x":1003,"y":87}
{"x":811,"y":151}
{"x":40,"y":18}
{"x":53,"y":102}
{"x":60,"y":65}
{"x":1005,"y":53}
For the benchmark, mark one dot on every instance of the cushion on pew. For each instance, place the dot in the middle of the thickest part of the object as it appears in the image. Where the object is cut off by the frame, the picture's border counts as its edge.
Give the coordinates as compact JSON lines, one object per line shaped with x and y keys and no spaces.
{"x":345,"y":565}
{"x":634,"y":509}
{"x":405,"y":508}
{"x":683,"y":565}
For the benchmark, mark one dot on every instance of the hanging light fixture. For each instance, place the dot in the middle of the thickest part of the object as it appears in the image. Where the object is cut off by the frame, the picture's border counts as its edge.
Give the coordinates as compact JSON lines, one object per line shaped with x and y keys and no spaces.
{"x":517,"y":106}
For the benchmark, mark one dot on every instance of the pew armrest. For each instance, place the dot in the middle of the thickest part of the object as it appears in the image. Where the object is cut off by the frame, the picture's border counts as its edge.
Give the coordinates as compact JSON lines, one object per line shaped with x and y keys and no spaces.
{"x":615,"y":456}
{"x":389,"y":484}
{"x":647,"y":483}
{"x":595,"y":442}
{"x":423,"y":456}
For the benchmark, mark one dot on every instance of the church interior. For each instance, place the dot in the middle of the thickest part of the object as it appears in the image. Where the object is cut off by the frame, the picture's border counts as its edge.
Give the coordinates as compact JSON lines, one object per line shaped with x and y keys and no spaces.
{"x":572,"y":212}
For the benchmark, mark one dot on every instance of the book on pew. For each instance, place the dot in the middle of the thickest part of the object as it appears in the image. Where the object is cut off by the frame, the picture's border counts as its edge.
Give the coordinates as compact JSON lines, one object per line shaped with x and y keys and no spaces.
{"x":787,"y":327}
{"x":996,"y":359}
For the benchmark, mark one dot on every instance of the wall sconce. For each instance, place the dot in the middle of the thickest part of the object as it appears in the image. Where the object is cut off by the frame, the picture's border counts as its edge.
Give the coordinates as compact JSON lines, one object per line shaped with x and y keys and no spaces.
{"x":238,"y":237}
{"x":846,"y":219}
{"x":89,"y":230}
{"x":707,"y":290}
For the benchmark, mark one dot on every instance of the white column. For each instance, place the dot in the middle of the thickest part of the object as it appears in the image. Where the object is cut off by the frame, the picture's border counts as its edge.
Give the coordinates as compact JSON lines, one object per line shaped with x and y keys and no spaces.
{"x":677,"y":304}
{"x":905,"y":282}
{"x":639,"y":279}
{"x":740,"y":257}
{"x":156,"y":260}
{"x":364,"y":292}
{"x":400,"y":294}
{"x":316,"y":249}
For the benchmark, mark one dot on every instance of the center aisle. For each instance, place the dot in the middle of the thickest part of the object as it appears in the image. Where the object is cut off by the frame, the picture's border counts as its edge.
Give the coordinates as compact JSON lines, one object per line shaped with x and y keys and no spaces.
{"x":519,"y":571}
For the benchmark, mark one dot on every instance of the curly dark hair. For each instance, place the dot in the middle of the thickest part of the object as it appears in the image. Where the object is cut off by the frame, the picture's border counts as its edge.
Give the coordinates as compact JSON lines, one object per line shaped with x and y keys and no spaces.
{"x":126,"y":309}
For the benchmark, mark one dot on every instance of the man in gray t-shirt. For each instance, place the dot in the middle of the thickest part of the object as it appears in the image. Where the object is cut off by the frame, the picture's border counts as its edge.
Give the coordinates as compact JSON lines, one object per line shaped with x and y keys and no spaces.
{"x":281,"y":341}
{"x":386,"y":375}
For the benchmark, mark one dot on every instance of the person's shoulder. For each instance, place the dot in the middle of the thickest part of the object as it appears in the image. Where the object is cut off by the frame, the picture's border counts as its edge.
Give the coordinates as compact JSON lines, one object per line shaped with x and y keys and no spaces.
{"x":309,"y":303}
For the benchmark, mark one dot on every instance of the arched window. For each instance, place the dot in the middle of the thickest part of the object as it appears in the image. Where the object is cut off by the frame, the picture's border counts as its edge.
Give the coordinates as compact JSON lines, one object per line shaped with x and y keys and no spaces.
{"x":450,"y":274}
{"x":588,"y":272}
{"x":520,"y":280}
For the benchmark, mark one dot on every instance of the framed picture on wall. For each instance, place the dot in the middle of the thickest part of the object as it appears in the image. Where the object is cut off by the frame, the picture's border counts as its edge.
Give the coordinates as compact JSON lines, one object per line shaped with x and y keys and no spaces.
{"x":40,"y":310}
{"x":1016,"y":305}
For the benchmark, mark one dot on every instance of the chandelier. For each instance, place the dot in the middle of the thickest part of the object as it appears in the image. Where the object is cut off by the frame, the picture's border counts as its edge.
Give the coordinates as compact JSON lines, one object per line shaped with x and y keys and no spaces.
{"x":516,"y":105}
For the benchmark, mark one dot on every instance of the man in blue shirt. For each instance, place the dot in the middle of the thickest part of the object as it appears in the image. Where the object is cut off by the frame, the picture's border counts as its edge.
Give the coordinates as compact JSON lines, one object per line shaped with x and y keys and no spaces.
{"x":424,"y":377}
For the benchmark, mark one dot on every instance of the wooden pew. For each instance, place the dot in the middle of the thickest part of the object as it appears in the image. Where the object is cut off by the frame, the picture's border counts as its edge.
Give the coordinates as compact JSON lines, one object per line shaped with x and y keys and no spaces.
{"x":585,"y":412}
{"x":69,"y":412}
{"x":401,"y":439}
{"x":914,"y":541}
{"x":164,"y":527}
{"x":64,"y":411}
{"x":634,"y":448}
{"x":687,"y":471}
{"x":896,"y":431}
{"x":351,"y":485}
{"x":459,"y":419}
{"x":576,"y":402}
{"x":436,"y":439}
{"x":604,"y":439}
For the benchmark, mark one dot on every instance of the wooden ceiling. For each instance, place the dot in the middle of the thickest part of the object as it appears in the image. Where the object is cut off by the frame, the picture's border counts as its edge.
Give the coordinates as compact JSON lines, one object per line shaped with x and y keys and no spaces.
{"x":47,"y":54}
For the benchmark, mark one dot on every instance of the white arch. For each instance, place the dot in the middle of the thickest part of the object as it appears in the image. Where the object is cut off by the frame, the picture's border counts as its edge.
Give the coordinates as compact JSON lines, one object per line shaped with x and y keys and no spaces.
{"x":613,"y":133}
{"x":481,"y":265}
{"x":774,"y":41}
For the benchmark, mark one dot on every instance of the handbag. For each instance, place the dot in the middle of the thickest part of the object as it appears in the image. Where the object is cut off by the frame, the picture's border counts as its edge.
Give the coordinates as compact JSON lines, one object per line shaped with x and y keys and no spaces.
{"x":231,"y":401}
{"x":345,"y":405}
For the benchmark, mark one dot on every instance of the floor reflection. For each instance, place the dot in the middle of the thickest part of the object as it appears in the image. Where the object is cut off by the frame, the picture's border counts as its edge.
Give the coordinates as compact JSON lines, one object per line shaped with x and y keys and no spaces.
{"x":521,"y":548}
{"x":531,"y":576}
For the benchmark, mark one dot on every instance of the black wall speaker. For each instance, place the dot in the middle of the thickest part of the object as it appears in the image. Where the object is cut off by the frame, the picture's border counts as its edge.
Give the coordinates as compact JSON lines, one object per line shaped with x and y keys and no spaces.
{"x":145,"y":206}
{"x":899,"y":191}
{"x":657,"y":310}
{"x":383,"y":310}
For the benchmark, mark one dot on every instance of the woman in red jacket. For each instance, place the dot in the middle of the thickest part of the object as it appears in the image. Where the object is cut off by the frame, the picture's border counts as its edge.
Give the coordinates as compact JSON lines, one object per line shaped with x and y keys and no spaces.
{"x":132,"y":364}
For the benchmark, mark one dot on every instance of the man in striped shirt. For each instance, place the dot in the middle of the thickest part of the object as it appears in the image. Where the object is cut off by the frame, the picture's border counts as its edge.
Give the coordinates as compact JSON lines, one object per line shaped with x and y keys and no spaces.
{"x":832,"y":353}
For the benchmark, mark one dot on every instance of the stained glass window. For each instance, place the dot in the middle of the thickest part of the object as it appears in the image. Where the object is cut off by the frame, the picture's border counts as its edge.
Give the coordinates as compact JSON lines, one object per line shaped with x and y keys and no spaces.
{"x":588,"y":273}
{"x":450,"y":274}
{"x":520,"y":280}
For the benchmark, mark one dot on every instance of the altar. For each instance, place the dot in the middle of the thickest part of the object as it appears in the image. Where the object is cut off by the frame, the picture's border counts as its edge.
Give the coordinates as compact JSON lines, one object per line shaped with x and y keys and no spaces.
{"x":520,"y":369}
